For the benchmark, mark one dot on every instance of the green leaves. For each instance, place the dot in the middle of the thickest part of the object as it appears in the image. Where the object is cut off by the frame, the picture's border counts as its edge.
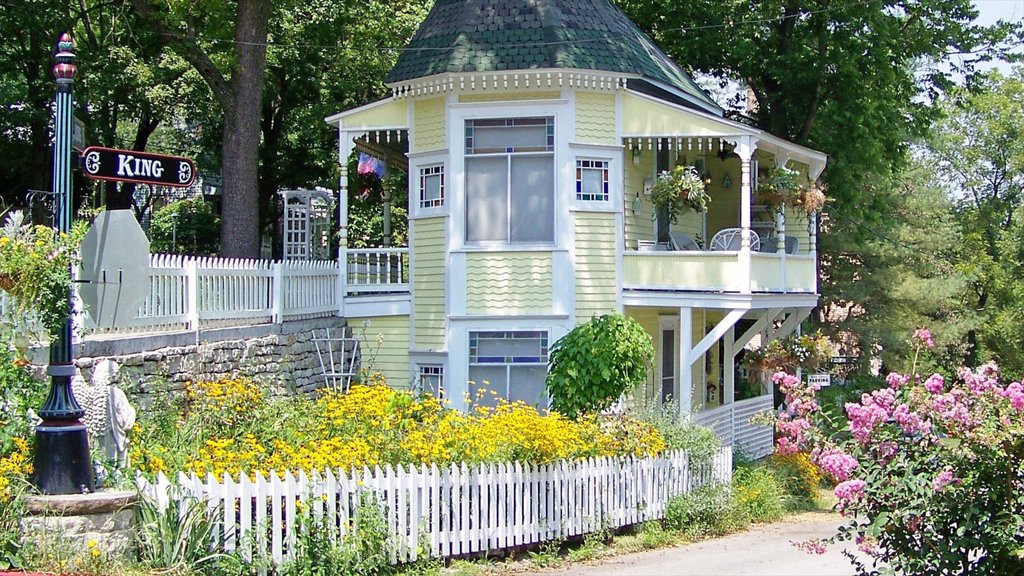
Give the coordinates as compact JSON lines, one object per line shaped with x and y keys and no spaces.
{"x":597,"y":362}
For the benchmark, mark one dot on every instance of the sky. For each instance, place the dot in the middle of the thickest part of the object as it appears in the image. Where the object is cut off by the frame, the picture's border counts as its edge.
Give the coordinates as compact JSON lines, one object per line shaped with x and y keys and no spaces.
{"x":989,"y":11}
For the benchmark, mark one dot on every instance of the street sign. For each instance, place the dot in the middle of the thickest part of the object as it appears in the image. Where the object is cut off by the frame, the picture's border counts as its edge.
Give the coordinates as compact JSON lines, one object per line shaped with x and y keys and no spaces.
{"x":78,"y":134}
{"x":822,"y":380}
{"x":115,"y":165}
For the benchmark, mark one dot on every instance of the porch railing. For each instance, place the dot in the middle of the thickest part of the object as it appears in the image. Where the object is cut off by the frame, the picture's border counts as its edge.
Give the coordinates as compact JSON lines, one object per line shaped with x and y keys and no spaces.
{"x":731,"y":423}
{"x":720,"y":271}
{"x":378,"y":270}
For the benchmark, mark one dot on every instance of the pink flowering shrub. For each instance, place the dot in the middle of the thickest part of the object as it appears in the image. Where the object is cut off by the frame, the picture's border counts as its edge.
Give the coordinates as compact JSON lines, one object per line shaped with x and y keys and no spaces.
{"x":929,"y":471}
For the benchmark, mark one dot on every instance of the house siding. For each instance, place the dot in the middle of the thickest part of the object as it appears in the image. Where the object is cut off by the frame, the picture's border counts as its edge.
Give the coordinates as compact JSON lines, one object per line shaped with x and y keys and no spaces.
{"x":642,"y":116}
{"x":428,"y":124}
{"x":595,"y":265}
{"x":595,"y":118}
{"x":428,"y":272}
{"x":509,"y":283}
{"x":510,"y":96}
{"x":384,"y":344}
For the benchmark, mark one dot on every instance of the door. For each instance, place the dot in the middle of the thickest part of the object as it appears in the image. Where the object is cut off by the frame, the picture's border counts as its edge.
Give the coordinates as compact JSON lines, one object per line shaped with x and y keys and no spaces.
{"x":668,"y":354}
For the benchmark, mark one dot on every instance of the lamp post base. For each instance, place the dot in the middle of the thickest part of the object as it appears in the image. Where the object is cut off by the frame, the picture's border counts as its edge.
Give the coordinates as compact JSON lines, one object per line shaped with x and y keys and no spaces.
{"x":62,"y":464}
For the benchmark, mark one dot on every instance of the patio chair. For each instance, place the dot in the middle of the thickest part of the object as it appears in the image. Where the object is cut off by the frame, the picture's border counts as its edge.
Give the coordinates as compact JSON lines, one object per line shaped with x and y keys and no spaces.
{"x":338,"y":356}
{"x":651,"y":246}
{"x":731,"y":239}
{"x":682,"y":241}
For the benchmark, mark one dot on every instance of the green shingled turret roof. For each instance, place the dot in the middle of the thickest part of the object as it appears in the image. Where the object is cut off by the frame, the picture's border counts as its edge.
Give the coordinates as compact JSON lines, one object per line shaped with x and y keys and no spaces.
{"x":505,"y":35}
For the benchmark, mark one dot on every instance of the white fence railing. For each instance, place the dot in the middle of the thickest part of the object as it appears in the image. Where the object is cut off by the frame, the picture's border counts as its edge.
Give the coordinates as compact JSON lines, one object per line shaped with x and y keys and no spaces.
{"x":378,"y":270}
{"x":443,"y":512}
{"x":731,"y":423}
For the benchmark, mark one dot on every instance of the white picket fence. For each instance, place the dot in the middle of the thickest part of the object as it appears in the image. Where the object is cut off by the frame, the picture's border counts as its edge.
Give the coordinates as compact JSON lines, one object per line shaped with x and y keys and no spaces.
{"x":444,"y":512}
{"x":732,"y":425}
{"x":188,"y":292}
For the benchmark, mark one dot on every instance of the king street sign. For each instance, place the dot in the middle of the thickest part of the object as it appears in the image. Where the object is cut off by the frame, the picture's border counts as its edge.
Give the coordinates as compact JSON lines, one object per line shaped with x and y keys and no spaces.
{"x":140,"y":167}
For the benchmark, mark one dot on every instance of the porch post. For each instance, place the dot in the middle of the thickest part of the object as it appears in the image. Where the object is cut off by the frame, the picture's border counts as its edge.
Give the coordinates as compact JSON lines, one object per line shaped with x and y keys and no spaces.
{"x":346,"y":145}
{"x":685,"y":396}
{"x":745,"y":150}
{"x":729,"y":367}
{"x":781,"y":159}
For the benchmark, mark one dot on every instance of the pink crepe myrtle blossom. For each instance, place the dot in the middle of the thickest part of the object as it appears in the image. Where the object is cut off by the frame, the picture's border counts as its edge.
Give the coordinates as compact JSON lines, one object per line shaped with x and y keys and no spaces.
{"x":867,"y":544}
{"x":910,"y":421}
{"x":835,"y":462}
{"x":943,"y":479}
{"x":924,"y":336}
{"x":785,"y":446}
{"x":1015,"y":394}
{"x":848,"y":492}
{"x":935,"y":383}
{"x":873,"y":410}
{"x":895,"y":380}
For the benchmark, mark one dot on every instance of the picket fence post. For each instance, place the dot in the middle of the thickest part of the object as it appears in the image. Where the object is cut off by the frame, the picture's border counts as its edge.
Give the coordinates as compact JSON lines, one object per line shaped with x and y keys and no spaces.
{"x":192,"y":294}
{"x":277,"y":292}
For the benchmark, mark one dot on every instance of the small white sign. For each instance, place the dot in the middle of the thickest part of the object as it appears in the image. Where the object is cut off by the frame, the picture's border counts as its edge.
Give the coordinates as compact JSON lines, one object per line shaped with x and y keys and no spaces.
{"x":822,"y":380}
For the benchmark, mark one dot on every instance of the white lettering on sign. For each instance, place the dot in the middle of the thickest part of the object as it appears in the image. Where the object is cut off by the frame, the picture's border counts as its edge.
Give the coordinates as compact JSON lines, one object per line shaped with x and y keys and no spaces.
{"x":131,"y":167}
{"x":822,"y":380}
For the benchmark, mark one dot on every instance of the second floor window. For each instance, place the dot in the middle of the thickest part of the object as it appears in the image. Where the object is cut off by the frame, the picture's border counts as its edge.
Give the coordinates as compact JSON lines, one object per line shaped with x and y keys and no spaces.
{"x":510,"y":180}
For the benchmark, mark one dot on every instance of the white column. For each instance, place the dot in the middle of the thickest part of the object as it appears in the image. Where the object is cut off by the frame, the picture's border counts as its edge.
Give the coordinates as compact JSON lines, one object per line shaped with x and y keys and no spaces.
{"x":346,"y":145}
{"x":745,"y":150}
{"x":728,"y":361}
{"x":685,"y":393}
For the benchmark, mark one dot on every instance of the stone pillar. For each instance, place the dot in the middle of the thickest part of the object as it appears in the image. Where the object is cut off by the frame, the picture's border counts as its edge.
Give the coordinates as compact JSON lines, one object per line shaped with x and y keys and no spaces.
{"x":106,"y":518}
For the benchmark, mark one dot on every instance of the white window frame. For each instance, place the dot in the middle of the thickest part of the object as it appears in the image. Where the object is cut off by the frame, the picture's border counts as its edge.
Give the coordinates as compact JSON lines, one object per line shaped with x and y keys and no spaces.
{"x":424,"y":160}
{"x":508,"y":364}
{"x":602,"y":165}
{"x":550,"y":152}
{"x":429,"y":171}
{"x":429,"y":369}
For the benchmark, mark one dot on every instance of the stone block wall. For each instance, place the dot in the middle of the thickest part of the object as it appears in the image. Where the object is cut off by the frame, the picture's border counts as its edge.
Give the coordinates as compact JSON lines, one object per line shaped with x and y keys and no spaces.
{"x":282,"y":356}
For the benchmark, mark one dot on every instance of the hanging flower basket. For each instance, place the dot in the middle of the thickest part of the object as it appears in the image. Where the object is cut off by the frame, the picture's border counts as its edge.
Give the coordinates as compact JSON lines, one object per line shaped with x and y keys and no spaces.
{"x":777,"y":187}
{"x":809,"y":199}
{"x":35,"y":269}
{"x":679,"y":190}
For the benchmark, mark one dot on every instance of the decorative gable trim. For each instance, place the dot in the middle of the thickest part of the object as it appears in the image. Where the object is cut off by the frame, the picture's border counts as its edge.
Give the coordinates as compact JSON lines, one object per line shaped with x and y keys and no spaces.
{"x":518,"y":80}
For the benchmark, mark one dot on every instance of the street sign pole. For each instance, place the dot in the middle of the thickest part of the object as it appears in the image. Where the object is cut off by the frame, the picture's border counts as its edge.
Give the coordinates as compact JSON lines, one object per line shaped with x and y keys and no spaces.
{"x":61,"y":463}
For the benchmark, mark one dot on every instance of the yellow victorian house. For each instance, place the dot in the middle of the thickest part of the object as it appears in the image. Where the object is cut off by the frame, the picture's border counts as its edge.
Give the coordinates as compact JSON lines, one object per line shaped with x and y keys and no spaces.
{"x":532,"y":132}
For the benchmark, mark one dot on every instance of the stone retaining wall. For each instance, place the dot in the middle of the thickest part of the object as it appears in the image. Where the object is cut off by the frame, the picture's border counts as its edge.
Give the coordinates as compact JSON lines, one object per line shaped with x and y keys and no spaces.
{"x":282,"y":356}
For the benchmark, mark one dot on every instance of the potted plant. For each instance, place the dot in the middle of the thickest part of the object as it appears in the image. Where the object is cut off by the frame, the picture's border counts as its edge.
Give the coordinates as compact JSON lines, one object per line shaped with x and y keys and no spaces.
{"x":35,"y":268}
{"x":679,"y":190}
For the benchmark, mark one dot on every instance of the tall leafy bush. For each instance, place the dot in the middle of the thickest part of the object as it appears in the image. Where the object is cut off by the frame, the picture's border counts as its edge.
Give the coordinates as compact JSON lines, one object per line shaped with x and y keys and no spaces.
{"x":596,"y":362}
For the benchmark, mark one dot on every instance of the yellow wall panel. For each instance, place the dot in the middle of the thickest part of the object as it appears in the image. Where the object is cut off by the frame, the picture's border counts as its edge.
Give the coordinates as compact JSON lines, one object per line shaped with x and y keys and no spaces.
{"x":428,"y":131}
{"x":509,"y":283}
{"x":389,"y":115}
{"x":428,"y":298}
{"x":384,"y":344}
{"x":595,"y":265}
{"x":641,"y":116}
{"x":595,"y":118}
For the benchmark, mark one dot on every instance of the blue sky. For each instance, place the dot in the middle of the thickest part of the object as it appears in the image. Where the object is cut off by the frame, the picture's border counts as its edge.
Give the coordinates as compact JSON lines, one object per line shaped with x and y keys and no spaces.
{"x":992,"y":10}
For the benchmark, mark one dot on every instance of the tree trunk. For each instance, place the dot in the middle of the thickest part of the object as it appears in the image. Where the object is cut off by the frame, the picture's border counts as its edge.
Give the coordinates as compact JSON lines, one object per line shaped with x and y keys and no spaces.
{"x":240,"y":232}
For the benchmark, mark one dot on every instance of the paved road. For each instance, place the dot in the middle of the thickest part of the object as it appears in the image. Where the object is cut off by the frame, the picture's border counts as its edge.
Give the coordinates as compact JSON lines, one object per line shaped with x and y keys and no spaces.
{"x":762,"y":551}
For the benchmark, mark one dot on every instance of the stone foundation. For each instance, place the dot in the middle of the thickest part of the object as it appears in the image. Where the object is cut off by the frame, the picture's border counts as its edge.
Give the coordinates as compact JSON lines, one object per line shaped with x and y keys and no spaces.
{"x":106,"y":518}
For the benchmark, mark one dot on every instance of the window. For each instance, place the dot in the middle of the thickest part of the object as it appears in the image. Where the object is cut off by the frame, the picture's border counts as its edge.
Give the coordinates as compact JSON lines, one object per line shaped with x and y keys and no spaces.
{"x":432,"y":186}
{"x":510,"y":180}
{"x":431,"y":380}
{"x":592,"y":180}
{"x":510,"y":365}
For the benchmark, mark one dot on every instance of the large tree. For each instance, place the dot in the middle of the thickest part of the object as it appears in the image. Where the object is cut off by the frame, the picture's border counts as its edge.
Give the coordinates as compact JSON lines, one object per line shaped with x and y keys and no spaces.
{"x":234,"y":70}
{"x":978,"y":149}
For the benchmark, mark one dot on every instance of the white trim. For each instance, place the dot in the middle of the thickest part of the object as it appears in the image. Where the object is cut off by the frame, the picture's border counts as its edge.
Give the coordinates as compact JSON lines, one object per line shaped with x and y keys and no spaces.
{"x":510,"y":80}
{"x":378,"y":305}
{"x":508,"y":318}
{"x":501,"y":108}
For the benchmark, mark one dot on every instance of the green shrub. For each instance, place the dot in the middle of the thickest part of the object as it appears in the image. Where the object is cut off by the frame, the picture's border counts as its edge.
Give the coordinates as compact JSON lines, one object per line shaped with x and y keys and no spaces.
{"x":597,"y":362}
{"x":177,"y":537}
{"x":700,"y":443}
{"x":706,"y":511}
{"x":759,"y":493}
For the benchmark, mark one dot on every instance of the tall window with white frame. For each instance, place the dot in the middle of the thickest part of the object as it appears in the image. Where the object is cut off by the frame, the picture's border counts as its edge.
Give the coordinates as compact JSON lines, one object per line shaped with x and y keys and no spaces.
{"x":509,"y":364}
{"x":432,"y":186}
{"x":510,"y":180}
